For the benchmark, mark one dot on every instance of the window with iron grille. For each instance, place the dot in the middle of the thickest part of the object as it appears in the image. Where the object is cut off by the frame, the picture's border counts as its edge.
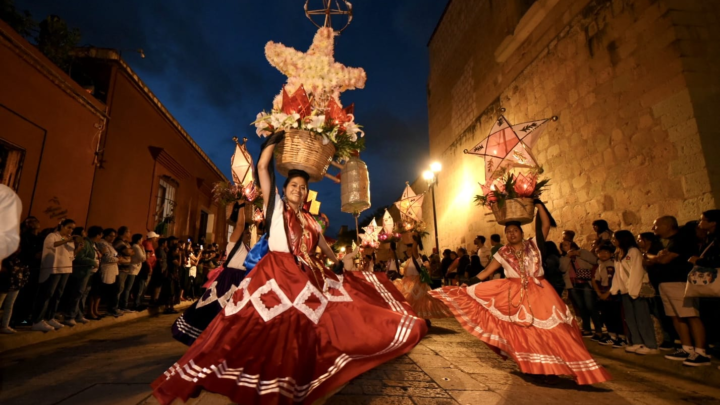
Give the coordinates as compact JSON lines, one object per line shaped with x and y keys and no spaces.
{"x":165,"y":207}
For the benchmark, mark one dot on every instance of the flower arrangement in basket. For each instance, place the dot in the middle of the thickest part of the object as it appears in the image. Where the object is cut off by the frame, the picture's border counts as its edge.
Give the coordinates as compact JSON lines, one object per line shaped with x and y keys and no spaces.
{"x":511,"y":169}
{"x":511,"y":197}
{"x":318,"y":129}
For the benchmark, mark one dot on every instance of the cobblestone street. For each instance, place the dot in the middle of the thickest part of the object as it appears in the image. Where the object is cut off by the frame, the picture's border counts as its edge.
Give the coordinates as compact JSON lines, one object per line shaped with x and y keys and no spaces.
{"x":115,"y":365}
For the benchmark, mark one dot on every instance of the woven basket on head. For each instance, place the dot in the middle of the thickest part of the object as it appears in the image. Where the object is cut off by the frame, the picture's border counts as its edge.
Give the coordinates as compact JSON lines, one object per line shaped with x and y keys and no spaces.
{"x":303,"y":150}
{"x":517,"y":209}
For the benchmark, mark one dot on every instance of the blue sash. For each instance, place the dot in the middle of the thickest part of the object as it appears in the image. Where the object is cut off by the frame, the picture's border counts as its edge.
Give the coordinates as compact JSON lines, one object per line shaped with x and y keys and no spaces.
{"x":256,"y":253}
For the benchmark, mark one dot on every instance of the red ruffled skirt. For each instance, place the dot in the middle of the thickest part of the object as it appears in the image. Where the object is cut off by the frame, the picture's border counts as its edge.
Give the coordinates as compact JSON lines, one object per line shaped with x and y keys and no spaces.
{"x":281,"y":340}
{"x":417,"y":295}
{"x":540,"y":335}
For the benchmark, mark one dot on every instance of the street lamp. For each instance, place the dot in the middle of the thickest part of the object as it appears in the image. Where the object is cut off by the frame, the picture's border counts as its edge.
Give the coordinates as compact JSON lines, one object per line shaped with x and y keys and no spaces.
{"x":431,"y":177}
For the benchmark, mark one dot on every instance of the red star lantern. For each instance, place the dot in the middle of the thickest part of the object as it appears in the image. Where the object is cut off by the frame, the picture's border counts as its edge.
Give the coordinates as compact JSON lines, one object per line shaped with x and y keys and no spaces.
{"x":336,"y":115}
{"x":299,"y":102}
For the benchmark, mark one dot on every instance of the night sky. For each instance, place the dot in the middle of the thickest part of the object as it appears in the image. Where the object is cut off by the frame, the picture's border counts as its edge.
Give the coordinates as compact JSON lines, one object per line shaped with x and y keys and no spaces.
{"x":206,"y":63}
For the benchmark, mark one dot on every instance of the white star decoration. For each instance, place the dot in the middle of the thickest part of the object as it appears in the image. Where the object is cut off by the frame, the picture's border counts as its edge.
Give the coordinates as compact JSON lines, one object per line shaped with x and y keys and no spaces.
{"x":370,"y":237}
{"x":315,"y":69}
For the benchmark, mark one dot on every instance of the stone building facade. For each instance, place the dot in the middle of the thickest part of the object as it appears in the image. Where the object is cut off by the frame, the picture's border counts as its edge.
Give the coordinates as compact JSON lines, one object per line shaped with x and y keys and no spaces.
{"x":633,"y":82}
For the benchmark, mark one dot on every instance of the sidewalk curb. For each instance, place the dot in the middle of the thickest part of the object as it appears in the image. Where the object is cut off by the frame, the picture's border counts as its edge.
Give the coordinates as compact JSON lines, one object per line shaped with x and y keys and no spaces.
{"x":707,"y":375}
{"x":26,"y":337}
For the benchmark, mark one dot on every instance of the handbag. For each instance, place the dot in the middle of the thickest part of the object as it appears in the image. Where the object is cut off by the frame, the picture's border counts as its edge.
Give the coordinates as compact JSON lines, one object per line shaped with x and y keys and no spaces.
{"x":579,"y":275}
{"x":702,"y":281}
{"x":257,"y":252}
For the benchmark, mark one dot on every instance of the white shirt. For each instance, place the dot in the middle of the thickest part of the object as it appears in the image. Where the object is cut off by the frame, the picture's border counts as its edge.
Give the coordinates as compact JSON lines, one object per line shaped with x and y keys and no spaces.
{"x":56,"y":260}
{"x":601,"y":275}
{"x":484,"y":254}
{"x":137,"y":259}
{"x":410,"y":269}
{"x":109,"y":262}
{"x":629,"y":274}
{"x":349,"y":260}
{"x":237,"y":261}
{"x":278,"y":238}
{"x":10,"y":211}
{"x":193,"y":268}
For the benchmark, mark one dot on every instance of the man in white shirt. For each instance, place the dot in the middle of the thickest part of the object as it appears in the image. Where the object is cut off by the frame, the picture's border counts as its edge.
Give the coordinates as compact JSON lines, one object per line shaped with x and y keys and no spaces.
{"x":482,"y":251}
{"x":10,"y":211}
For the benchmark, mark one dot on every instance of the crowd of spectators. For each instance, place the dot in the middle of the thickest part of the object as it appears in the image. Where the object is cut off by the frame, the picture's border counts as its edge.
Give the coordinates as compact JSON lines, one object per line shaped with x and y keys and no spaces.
{"x":67,"y":275}
{"x":627,"y":291}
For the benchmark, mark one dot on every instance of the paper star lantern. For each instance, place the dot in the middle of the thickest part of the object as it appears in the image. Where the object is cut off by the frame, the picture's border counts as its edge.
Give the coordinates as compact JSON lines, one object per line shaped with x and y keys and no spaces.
{"x":241,"y":165}
{"x":410,"y":204}
{"x":388,"y":223}
{"x":370,"y":237}
{"x":509,"y":146}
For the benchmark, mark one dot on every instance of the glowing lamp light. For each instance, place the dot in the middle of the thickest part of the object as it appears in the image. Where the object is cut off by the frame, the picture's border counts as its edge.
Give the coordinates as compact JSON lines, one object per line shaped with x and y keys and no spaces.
{"x":435,"y":167}
{"x":250,"y":191}
{"x":524,"y":185}
{"x":342,"y":249}
{"x":258,"y":216}
{"x":428,"y":175}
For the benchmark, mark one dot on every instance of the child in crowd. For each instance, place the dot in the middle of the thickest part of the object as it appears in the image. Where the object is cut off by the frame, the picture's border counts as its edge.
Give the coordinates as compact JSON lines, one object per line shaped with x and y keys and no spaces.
{"x":633,"y":285}
{"x":608,"y":304}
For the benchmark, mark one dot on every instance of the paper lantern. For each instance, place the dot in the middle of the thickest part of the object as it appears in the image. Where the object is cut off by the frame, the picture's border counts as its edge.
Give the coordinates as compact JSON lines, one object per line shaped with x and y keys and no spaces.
{"x":354,"y":186}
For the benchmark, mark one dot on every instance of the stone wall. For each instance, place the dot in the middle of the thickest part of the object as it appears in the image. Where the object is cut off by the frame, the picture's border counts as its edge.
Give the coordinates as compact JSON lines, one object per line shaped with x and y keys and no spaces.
{"x":635,"y":86}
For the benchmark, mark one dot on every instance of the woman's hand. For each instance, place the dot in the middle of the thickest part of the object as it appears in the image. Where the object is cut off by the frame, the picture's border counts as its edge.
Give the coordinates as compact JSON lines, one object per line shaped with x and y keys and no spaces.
{"x":693,"y":259}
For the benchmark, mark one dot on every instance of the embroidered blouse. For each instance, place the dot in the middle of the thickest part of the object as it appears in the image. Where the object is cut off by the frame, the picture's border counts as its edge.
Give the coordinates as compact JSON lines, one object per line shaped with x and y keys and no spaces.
{"x":532,"y":261}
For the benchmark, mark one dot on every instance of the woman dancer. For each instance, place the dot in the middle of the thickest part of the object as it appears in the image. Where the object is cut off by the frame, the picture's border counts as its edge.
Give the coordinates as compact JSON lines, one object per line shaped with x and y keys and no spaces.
{"x":221,"y":285}
{"x":522,"y":316}
{"x":415,"y":290}
{"x":293,"y":332}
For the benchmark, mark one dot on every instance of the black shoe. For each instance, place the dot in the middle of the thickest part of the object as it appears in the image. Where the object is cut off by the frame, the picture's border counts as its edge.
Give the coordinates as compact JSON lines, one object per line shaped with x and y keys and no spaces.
{"x":678,"y":355}
{"x":667,"y":347}
{"x":586,"y":334}
{"x":697,"y":360}
{"x":596,"y":338}
{"x":619,"y":343}
{"x":606,"y":340}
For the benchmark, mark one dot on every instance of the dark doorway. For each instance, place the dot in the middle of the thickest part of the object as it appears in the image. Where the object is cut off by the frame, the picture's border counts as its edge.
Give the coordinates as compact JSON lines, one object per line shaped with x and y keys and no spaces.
{"x":202,"y":231}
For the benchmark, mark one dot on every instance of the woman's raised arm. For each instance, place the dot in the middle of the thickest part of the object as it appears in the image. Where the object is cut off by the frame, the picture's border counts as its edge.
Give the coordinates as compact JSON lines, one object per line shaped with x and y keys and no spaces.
{"x":263,"y":167}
